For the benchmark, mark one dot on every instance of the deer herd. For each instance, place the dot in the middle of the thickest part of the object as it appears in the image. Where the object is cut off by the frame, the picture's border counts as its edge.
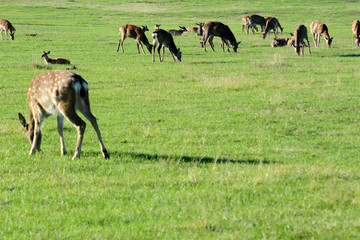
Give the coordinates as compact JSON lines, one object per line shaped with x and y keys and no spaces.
{"x":62,"y":93}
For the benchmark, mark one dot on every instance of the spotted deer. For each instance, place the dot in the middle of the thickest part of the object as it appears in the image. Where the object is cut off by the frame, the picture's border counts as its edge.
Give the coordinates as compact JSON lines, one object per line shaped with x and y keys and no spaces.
{"x":132,"y":31}
{"x":53,"y":60}
{"x":300,"y":34}
{"x":272,"y":24}
{"x":356,"y":32}
{"x":254,"y":20}
{"x":319,"y":29}
{"x":221,"y":30}
{"x":280,"y":42}
{"x":175,"y":32}
{"x":165,"y":39}
{"x":60,"y":93}
{"x":9,"y":29}
{"x":198,"y":30}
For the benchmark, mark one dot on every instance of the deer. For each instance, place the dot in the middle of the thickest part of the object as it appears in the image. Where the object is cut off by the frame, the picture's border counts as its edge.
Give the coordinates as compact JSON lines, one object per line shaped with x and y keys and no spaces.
{"x":165,"y":39}
{"x":319,"y":29}
{"x":300,"y":34}
{"x":9,"y":29}
{"x":356,"y":32}
{"x":132,"y":31}
{"x":272,"y":24}
{"x":280,"y":42}
{"x":175,"y":32}
{"x":60,"y":93}
{"x":221,"y":30}
{"x":254,"y":20}
{"x":198,"y":30}
{"x":53,"y":60}
{"x":157,"y":26}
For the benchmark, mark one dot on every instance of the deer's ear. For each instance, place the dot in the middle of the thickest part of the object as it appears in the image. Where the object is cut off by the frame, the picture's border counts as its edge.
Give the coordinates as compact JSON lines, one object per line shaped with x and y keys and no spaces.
{"x":23,"y":121}
{"x":48,"y":52}
{"x":331,"y":38}
{"x":291,"y":34}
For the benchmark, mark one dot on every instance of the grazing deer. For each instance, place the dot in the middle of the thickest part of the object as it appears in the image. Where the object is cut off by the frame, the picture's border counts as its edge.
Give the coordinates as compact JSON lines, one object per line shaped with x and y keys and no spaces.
{"x":300,"y":34}
{"x":356,"y":32}
{"x":319,"y":29}
{"x":60,"y":93}
{"x":198,"y":30}
{"x":132,"y":31}
{"x":245,"y":25}
{"x":254,"y":20}
{"x":6,"y":26}
{"x":280,"y":42}
{"x":175,"y":32}
{"x":272,"y":24}
{"x":165,"y":39}
{"x":54,"y":60}
{"x":221,"y":30}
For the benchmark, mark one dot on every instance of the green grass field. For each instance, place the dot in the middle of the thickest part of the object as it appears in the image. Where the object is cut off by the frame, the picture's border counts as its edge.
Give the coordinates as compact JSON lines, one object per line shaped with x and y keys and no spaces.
{"x":259,"y":144}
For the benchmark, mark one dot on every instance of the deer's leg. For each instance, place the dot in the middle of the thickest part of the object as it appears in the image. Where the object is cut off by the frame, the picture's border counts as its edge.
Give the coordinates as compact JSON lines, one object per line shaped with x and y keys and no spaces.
{"x":3,"y":30}
{"x":141,"y":46}
{"x":308,"y":45}
{"x":163,"y":52}
{"x":38,"y":119}
{"x":60,"y":126}
{"x":153,"y":50}
{"x":87,"y":113}
{"x":205,"y":38}
{"x":211,"y":38}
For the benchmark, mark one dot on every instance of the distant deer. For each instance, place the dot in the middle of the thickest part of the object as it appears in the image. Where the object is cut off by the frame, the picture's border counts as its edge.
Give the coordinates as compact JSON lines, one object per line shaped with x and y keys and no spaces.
{"x":157,"y":26}
{"x":356,"y":32}
{"x":254,"y":20}
{"x":272,"y":24}
{"x":198,"y":30}
{"x":300,"y":34}
{"x":175,"y":32}
{"x":6,"y":26}
{"x":280,"y":42}
{"x":165,"y":39}
{"x":54,"y":60}
{"x":319,"y":29}
{"x":60,"y":93}
{"x":245,"y":25}
{"x":132,"y":31}
{"x":221,"y":30}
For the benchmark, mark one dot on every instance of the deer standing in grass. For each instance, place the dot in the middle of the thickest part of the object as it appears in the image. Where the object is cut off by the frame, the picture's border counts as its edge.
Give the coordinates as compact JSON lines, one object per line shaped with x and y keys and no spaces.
{"x":319,"y":29}
{"x":272,"y":24}
{"x":6,"y":26}
{"x":59,"y":93}
{"x":165,"y":39}
{"x":132,"y":31}
{"x":54,"y":60}
{"x":300,"y":34}
{"x":245,"y":25}
{"x":221,"y":30}
{"x":175,"y":32}
{"x":198,"y":30}
{"x":254,"y":20}
{"x":356,"y":32}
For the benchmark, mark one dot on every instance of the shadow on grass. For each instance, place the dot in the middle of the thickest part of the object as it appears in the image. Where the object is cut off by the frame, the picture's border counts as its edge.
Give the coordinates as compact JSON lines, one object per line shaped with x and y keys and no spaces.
{"x":350,"y":55}
{"x":188,"y":159}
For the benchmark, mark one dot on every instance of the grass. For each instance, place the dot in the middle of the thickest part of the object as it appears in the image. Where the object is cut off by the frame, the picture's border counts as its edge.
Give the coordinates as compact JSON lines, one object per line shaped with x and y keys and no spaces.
{"x":259,"y":144}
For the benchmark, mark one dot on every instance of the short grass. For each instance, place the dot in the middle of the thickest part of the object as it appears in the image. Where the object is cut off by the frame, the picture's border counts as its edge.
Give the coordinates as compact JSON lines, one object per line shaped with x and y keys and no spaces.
{"x":259,"y":144}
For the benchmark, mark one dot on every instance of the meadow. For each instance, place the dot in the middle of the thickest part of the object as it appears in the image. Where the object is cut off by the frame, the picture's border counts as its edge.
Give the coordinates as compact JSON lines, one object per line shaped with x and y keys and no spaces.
{"x":258,"y":144}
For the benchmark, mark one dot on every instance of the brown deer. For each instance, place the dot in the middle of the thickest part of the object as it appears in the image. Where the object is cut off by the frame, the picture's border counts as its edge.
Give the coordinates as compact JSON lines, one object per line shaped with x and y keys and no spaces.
{"x":245,"y":25}
{"x":280,"y":42}
{"x":198,"y":30}
{"x":132,"y":31}
{"x":157,"y":26}
{"x":6,"y":26}
{"x":54,"y":60}
{"x":60,"y":93}
{"x":356,"y":32}
{"x":175,"y":32}
{"x":272,"y":24}
{"x":165,"y":39}
{"x":221,"y":30}
{"x":319,"y":29}
{"x":254,"y":20}
{"x":300,"y":34}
